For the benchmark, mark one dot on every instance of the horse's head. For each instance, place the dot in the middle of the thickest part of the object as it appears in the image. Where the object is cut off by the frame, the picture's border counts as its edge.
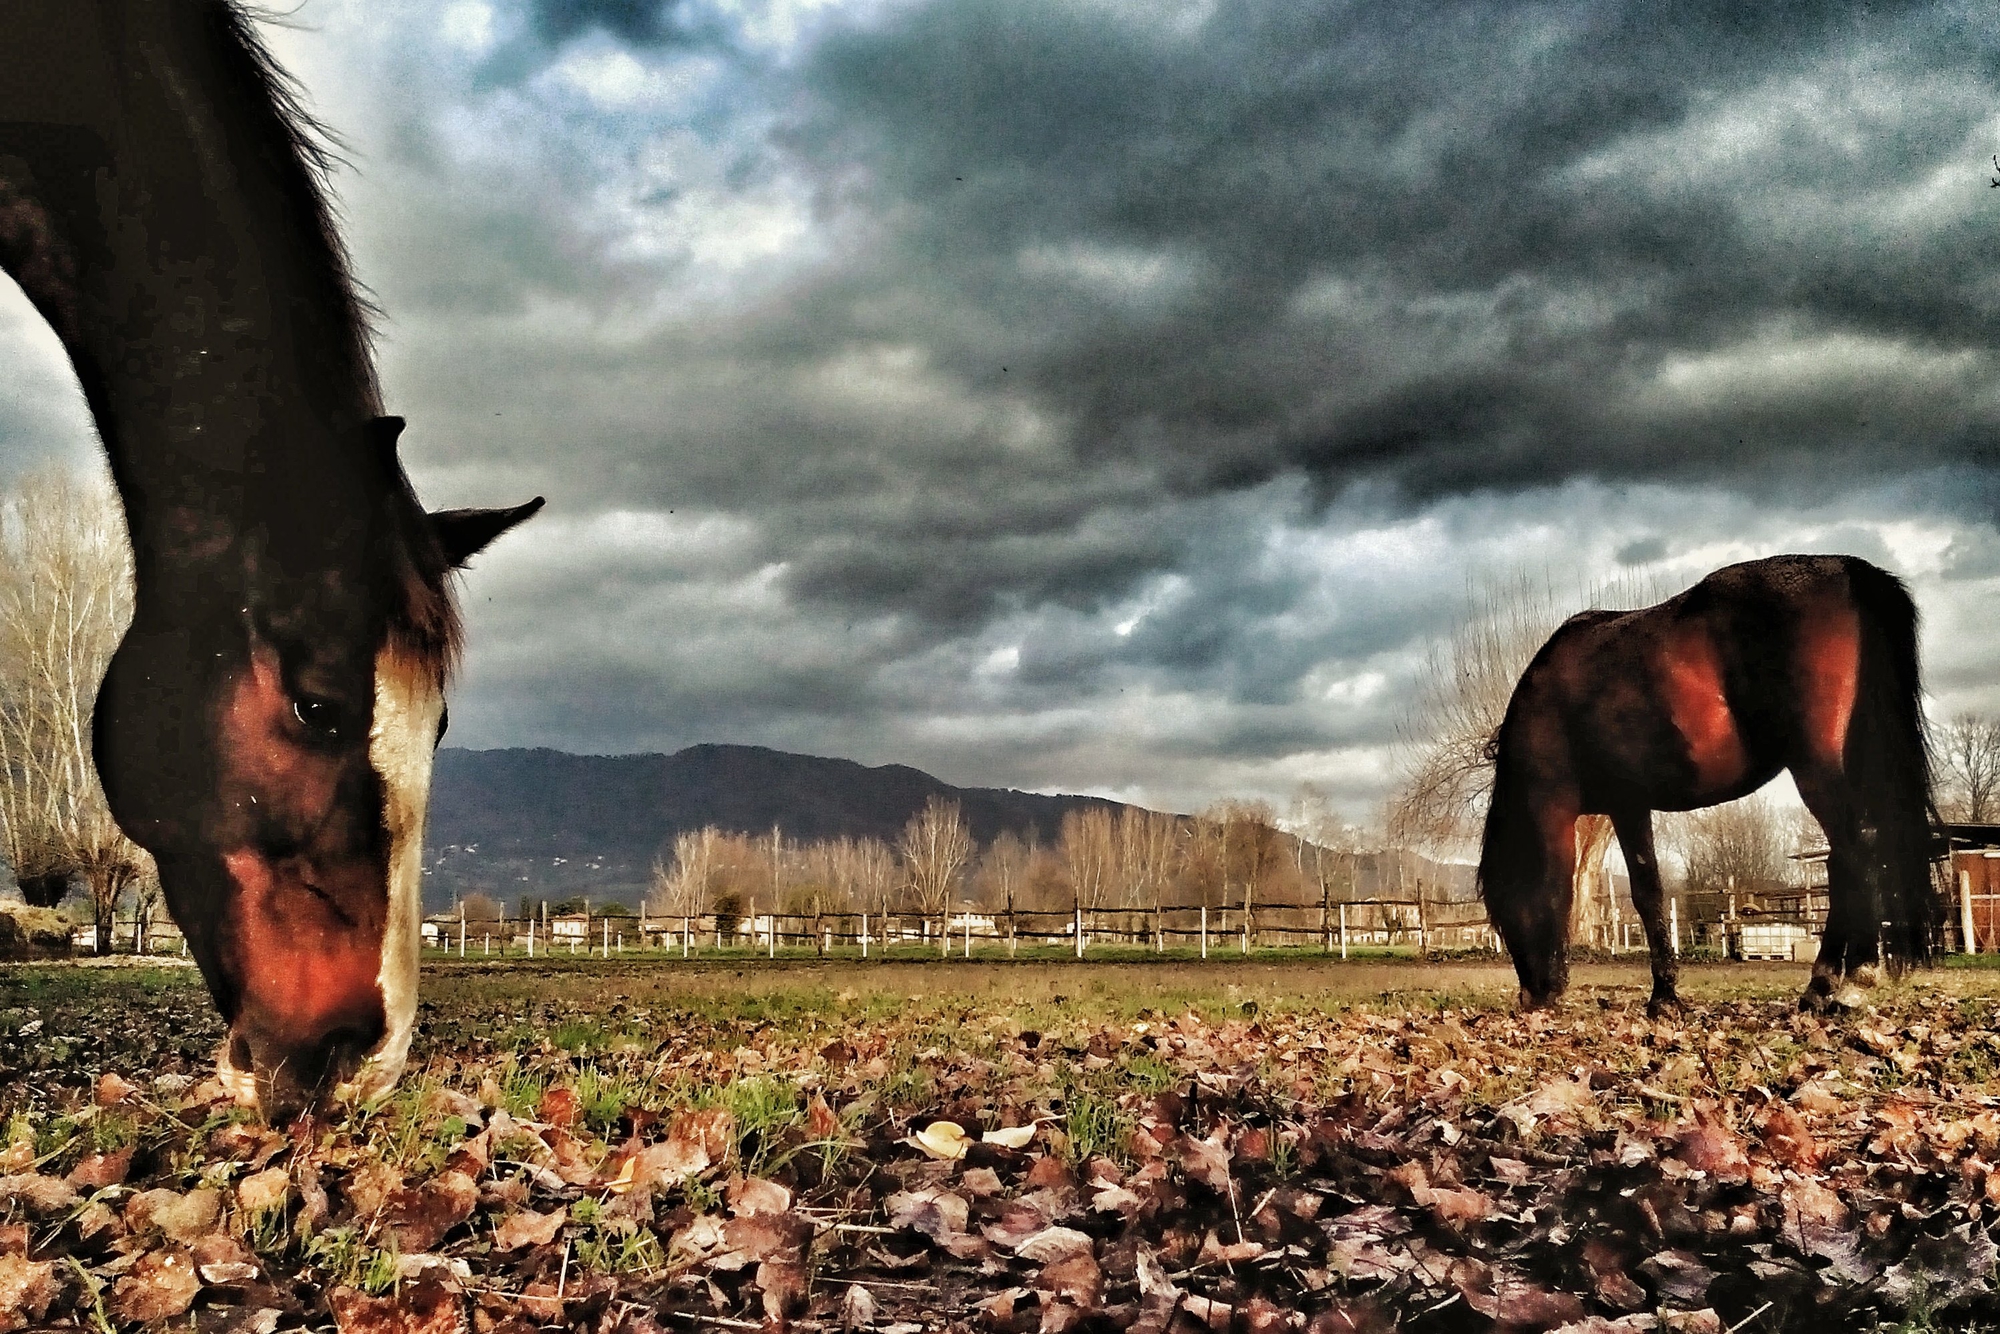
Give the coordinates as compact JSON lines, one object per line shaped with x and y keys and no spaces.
{"x":266,"y":730}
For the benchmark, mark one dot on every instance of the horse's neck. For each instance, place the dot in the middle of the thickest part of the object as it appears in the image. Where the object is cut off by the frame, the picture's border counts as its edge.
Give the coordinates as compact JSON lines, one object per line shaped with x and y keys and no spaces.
{"x":155,"y":210}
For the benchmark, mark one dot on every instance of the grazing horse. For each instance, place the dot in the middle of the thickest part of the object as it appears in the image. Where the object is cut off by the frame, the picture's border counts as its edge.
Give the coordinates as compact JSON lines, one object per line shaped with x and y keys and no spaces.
{"x":1806,"y":663}
{"x":267,"y":724}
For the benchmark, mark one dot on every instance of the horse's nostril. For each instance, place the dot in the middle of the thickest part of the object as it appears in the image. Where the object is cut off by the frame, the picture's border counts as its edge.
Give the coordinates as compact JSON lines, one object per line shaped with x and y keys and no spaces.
{"x":343,"y":1051}
{"x":294,"y":1077}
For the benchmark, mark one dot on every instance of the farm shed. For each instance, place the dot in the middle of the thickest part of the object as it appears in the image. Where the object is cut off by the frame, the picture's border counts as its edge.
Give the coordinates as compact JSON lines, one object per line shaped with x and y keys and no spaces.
{"x":1975,"y":884}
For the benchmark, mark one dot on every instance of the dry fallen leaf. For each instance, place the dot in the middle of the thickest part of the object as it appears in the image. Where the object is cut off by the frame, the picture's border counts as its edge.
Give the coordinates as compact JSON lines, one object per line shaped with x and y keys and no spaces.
{"x":1052,"y":1244}
{"x":945,"y":1140}
{"x":261,"y":1192}
{"x":857,"y":1308}
{"x":1011,"y":1137}
{"x":423,"y":1308}
{"x":525,"y":1227}
{"x":755,"y":1195}
{"x":419,"y":1217}
{"x":26,"y":1289}
{"x":184,"y":1218}
{"x":112,"y":1089}
{"x":44,"y":1197}
{"x":160,"y":1284}
{"x":95,"y":1171}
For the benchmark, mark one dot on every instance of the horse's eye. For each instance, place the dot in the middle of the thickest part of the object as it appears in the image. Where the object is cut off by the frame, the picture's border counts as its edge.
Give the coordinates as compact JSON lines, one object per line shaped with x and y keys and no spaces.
{"x":321,"y":717}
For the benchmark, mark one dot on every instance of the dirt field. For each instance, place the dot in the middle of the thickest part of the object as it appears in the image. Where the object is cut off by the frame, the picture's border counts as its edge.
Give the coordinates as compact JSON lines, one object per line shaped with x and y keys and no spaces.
{"x":1236,"y":1146}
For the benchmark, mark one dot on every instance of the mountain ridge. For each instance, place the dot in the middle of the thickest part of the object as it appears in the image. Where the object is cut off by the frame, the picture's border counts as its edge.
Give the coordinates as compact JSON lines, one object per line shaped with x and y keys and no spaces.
{"x":549,"y":823}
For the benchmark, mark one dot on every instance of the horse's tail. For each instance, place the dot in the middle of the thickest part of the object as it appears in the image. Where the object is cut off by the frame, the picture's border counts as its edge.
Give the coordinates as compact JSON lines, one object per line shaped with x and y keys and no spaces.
{"x":1888,"y":761}
{"x":1513,"y":879}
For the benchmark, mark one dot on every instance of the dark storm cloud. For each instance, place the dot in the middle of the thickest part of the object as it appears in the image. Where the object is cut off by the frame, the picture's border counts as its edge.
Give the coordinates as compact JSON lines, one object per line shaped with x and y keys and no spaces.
{"x":1126,"y":393}
{"x":1453,"y":245}
{"x":640,"y":22}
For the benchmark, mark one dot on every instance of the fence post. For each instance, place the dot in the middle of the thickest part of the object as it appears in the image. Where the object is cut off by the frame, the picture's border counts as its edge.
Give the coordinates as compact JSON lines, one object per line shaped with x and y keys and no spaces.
{"x":1343,"y":930}
{"x":1674,"y":925}
{"x":864,"y":935}
{"x":1970,"y":938}
{"x":1204,"y":930}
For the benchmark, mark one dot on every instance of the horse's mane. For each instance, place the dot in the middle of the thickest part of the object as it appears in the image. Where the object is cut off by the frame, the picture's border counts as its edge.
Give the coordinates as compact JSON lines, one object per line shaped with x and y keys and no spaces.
{"x":264,"y":105}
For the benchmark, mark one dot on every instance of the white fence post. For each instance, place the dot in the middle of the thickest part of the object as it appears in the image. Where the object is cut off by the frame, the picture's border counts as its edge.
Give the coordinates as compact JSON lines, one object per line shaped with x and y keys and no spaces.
{"x":1970,"y":937}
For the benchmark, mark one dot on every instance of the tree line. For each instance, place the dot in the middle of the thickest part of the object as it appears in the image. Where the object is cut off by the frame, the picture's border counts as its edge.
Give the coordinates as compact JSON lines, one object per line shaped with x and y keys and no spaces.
{"x":65,"y":600}
{"x":1101,"y":857}
{"x":1236,"y":854}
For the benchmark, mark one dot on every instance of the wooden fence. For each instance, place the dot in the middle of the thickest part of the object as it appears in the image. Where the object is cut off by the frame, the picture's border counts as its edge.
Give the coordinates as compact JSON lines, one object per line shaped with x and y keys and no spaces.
{"x":1337,"y":927}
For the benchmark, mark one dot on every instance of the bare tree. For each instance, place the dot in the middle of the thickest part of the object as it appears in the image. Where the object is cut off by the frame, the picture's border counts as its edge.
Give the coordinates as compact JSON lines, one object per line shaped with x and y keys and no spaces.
{"x":1146,"y":845}
{"x":1739,"y":844}
{"x":682,"y":887}
{"x":935,"y":848}
{"x":1087,"y":845}
{"x":481,"y":908}
{"x":1203,"y":860}
{"x":869,"y":866}
{"x":1326,"y":847}
{"x":1002,"y":869}
{"x":819,"y":881}
{"x":65,"y":599}
{"x":1968,"y":760}
{"x":1255,"y":852}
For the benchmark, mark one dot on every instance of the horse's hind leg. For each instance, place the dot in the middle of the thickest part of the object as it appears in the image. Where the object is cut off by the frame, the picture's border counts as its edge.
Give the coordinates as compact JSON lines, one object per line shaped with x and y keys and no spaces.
{"x":1849,"y":951}
{"x":1635,"y":839}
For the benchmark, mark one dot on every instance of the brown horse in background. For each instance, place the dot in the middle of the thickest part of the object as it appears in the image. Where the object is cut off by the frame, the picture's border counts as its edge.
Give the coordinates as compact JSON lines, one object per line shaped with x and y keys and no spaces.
{"x":267,"y":725}
{"x":1805,"y":663}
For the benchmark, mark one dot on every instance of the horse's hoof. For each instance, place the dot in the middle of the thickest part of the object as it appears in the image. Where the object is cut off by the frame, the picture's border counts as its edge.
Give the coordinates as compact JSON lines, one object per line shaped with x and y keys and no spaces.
{"x":1529,"y":1002}
{"x":1659,"y":1007}
{"x":1867,"y":975}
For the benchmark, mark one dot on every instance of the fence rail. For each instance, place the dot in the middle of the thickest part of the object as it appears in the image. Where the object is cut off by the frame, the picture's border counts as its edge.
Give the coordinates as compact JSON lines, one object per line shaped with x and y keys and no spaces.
{"x":1341,"y":927}
{"x":1334,"y":928}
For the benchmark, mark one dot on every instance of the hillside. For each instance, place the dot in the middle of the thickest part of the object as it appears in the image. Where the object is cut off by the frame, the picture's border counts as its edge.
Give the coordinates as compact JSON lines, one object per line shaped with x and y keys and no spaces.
{"x":549,"y":824}
{"x":552,"y":824}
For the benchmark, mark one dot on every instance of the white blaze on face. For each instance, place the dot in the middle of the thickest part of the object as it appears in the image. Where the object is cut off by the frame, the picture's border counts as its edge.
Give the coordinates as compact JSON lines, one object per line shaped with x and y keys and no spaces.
{"x":409,"y":698}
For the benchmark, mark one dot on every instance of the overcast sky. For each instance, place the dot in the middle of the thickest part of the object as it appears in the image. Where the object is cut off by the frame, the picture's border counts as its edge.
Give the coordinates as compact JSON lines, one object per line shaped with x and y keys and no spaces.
{"x":1122,"y":395}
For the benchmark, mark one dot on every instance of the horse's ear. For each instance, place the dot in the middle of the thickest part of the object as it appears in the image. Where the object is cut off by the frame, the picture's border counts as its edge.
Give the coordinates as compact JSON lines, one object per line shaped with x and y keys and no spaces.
{"x":465,"y":533}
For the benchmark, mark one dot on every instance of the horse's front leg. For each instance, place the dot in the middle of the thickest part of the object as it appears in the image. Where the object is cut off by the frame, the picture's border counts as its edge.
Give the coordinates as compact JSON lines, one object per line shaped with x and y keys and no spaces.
{"x":1635,"y":839}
